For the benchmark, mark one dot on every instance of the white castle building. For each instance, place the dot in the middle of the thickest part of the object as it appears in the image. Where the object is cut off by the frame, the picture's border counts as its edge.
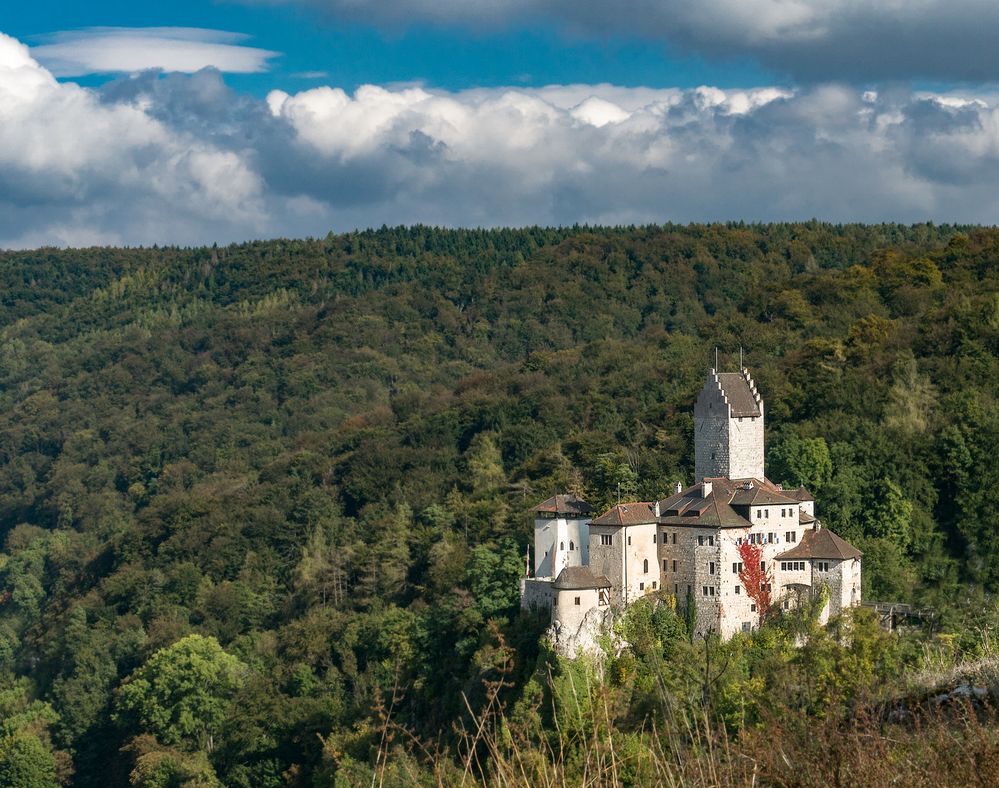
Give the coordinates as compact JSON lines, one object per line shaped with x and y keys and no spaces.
{"x":688,"y":545}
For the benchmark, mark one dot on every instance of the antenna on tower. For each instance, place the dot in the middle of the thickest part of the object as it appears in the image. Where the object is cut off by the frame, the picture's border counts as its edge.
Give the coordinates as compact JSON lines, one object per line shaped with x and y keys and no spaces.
{"x":741,"y":365}
{"x":716,"y":358}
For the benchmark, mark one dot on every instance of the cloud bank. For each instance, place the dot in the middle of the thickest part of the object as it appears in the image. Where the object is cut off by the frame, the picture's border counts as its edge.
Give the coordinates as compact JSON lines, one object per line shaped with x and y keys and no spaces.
{"x":110,"y":50}
{"x":811,"y":40}
{"x":184,"y":159}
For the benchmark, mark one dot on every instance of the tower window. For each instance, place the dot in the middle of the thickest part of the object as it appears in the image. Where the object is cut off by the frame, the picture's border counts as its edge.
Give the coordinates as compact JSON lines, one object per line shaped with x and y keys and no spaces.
{"x":645,"y":566}
{"x":572,"y":546}
{"x":577,"y":600}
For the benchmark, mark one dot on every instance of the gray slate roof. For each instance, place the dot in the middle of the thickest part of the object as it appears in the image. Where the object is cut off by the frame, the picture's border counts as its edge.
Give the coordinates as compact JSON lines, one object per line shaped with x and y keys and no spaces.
{"x":574,"y":578}
{"x":564,"y":504}
{"x":739,"y":394}
{"x":627,"y":514}
{"x":821,"y":544}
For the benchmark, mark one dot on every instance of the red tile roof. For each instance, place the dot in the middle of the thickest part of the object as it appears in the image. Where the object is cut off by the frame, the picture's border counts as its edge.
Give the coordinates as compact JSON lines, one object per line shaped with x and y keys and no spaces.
{"x":564,"y":504}
{"x":627,"y":514}
{"x":821,"y":544}
{"x":722,"y":505}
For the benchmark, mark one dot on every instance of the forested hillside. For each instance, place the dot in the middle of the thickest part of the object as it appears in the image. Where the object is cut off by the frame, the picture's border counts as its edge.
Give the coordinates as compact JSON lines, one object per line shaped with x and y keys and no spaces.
{"x":257,"y":500}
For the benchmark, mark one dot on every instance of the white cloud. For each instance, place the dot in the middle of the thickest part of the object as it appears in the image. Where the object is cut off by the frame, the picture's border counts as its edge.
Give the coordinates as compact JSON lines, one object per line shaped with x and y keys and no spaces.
{"x":74,"y":168}
{"x":109,"y":50}
{"x":184,"y":159}
{"x":813,"y":40}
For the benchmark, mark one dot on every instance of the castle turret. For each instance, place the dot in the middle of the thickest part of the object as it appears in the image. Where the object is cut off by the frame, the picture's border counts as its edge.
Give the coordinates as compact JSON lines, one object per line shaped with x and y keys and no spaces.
{"x":728,"y":427}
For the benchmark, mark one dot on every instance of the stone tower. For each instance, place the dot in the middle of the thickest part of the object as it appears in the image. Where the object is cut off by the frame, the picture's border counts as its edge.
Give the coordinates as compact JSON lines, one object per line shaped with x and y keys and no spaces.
{"x":728,"y":427}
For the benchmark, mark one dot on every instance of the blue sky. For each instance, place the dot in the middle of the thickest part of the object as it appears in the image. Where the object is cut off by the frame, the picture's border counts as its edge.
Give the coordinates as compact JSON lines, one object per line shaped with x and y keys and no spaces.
{"x":199,"y":122}
{"x":353,"y":53}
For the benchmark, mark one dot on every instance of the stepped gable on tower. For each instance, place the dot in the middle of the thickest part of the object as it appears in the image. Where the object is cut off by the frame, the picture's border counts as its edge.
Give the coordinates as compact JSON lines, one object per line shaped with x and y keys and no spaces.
{"x":739,"y":390}
{"x":728,"y":427}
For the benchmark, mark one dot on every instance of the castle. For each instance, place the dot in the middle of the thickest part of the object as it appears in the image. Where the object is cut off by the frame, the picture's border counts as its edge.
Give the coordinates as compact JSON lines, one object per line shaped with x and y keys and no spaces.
{"x":689,"y":545}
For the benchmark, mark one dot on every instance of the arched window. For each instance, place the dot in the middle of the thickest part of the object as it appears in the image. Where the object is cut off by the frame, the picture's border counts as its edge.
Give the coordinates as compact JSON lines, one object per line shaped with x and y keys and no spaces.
{"x":561,"y":545}
{"x":572,"y":546}
{"x":645,"y":566}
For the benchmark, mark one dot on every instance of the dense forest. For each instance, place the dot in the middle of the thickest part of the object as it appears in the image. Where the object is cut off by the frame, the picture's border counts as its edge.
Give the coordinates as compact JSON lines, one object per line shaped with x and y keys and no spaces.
{"x":264,"y":508}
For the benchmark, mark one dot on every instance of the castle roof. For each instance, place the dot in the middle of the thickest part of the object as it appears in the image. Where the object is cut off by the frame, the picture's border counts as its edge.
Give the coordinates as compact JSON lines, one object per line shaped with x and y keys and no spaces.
{"x":574,"y":578}
{"x":564,"y":504}
{"x":742,"y":399}
{"x":628,"y":514}
{"x":720,"y":505}
{"x":801,"y":494}
{"x":821,"y":544}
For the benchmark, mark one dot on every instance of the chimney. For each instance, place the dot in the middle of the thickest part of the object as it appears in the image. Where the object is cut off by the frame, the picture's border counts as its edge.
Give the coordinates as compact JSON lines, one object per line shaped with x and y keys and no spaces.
{"x":678,"y":489}
{"x":655,"y":508}
{"x":705,"y":488}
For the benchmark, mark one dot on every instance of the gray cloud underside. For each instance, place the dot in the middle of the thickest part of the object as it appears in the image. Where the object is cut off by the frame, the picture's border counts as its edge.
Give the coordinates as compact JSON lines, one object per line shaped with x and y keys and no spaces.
{"x":814,"y":40}
{"x":184,"y":159}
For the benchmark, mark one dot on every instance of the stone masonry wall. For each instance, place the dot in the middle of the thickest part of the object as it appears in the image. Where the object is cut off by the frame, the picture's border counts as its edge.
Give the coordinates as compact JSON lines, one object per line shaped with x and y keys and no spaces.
{"x":711,"y":423}
{"x":535,"y":593}
{"x":608,"y":559}
{"x":745,"y":447}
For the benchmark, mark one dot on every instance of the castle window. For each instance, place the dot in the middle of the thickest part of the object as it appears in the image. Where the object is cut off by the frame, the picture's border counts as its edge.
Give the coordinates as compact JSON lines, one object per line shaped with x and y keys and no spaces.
{"x":783,"y":566}
{"x":763,"y":566}
{"x":736,"y":567}
{"x":746,"y":626}
{"x":700,"y":541}
{"x":577,"y":600}
{"x":653,"y":538}
{"x":738,"y":590}
{"x":641,"y":586}
{"x":766,"y":513}
{"x":664,"y":565}
{"x":787,"y":604}
{"x":823,"y":566}
{"x":606,"y":539}
{"x":676,"y":589}
{"x":653,"y":584}
{"x":711,"y":541}
{"x":645,"y":566}
{"x":791,"y":536}
{"x":674,"y":537}
{"x":711,"y":590}
{"x":572,"y":546}
{"x":711,"y":567}
{"x":561,"y":545}
{"x":674,"y":564}
{"x":629,"y":540}
{"x":704,"y":590}
{"x":752,"y":607}
{"x":759,"y":513}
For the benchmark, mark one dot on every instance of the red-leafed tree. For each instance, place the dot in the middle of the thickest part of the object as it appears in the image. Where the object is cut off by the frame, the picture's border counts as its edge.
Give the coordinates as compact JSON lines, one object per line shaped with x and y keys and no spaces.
{"x":754,"y":579}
